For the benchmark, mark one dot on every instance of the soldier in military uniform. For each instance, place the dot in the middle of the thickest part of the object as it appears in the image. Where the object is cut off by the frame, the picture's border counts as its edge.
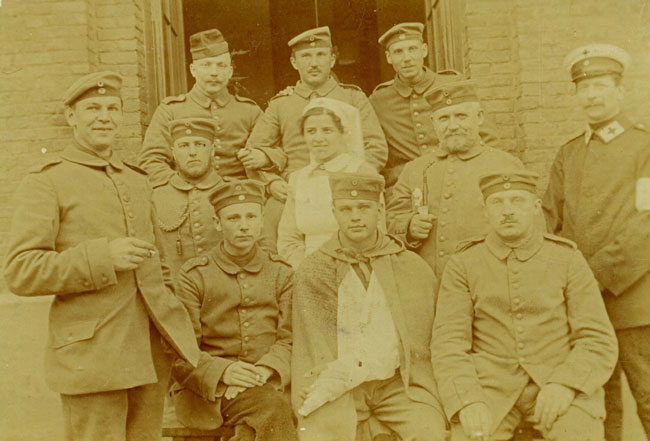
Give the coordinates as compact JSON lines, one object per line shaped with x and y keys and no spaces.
{"x":234,"y":115}
{"x":435,"y":202}
{"x":401,"y":107}
{"x":279,"y":127}
{"x":521,"y":333}
{"x":83,"y":230}
{"x":598,"y":196}
{"x":184,"y":213}
{"x":239,"y":300}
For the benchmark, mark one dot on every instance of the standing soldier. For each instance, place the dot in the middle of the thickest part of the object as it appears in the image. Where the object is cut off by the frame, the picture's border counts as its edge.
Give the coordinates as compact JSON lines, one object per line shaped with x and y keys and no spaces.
{"x":598,"y":196}
{"x":234,"y":116}
{"x":83,"y":230}
{"x":435,"y":202}
{"x":239,"y":300}
{"x":278,"y":132}
{"x":401,"y":107}
{"x":185,"y":215}
{"x":521,"y":333}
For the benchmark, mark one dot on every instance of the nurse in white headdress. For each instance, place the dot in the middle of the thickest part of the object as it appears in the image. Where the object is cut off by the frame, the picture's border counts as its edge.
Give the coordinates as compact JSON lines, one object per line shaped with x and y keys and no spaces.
{"x":332,"y":132}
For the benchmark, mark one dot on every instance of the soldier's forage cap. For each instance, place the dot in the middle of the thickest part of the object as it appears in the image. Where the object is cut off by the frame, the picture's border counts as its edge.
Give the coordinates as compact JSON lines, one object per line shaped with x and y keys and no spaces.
{"x":596,"y":59}
{"x":508,"y":180}
{"x":203,"y":127}
{"x":451,"y":94}
{"x":317,"y":37}
{"x":402,"y":32}
{"x":105,"y":83}
{"x":356,"y":186}
{"x":236,"y":192}
{"x":206,"y":44}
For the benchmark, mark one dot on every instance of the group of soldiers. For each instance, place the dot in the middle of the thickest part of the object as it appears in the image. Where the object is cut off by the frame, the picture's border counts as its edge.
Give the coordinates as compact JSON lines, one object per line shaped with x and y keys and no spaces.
{"x":462,"y":319}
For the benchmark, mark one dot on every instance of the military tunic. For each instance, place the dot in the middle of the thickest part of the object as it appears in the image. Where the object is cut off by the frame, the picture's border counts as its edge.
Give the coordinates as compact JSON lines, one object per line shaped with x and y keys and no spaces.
{"x":508,"y":316}
{"x":186,"y":219}
{"x":234,"y":115}
{"x":238,"y":314}
{"x":449,"y":185}
{"x":406,"y":119}
{"x":67,"y":213}
{"x":279,"y":126}
{"x":595,"y":183}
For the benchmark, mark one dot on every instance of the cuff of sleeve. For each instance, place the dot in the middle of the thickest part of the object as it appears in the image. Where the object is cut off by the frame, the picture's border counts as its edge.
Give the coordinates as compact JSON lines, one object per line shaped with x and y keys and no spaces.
{"x":575,"y":377}
{"x":464,"y":396}
{"x":277,"y":157}
{"x":102,"y":272}
{"x":211,"y":380}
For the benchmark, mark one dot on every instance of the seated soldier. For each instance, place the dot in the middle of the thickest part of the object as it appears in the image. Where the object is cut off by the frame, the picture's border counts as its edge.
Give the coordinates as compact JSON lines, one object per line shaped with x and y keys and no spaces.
{"x":362,"y":319}
{"x":521,"y":332}
{"x":239,"y":300}
{"x":184,"y":213}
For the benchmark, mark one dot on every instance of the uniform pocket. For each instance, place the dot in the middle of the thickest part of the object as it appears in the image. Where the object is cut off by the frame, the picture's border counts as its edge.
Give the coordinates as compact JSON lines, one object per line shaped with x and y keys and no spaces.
{"x":69,"y":333}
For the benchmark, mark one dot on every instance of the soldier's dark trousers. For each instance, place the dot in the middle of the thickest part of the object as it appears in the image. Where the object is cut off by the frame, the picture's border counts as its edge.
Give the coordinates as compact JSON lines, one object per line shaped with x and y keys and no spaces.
{"x":634,"y":361}
{"x":265,"y":410}
{"x":133,"y":414}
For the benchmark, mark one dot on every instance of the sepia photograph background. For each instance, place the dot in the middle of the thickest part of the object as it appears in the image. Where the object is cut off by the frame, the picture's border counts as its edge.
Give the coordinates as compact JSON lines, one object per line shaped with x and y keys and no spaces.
{"x":513,"y":49}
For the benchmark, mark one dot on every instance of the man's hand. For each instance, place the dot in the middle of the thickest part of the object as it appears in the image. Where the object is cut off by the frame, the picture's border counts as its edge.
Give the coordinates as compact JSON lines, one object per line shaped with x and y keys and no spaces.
{"x":233,"y":391}
{"x":253,"y":158}
{"x":242,"y":374}
{"x":420,"y":226}
{"x":553,"y":400}
{"x":476,"y":420}
{"x":279,"y":189}
{"x":127,"y":253}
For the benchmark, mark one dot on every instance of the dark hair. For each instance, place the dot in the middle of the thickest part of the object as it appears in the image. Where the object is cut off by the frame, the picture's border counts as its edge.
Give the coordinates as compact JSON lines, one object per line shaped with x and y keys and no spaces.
{"x":321,"y":111}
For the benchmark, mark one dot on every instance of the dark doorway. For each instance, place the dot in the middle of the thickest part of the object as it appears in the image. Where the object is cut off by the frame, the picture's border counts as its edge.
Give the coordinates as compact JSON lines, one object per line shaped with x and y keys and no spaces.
{"x":258,"y":31}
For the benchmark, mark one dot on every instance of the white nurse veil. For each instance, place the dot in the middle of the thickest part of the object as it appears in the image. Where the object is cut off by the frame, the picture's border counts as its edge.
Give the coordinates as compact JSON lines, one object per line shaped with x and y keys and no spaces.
{"x":349,"y":116}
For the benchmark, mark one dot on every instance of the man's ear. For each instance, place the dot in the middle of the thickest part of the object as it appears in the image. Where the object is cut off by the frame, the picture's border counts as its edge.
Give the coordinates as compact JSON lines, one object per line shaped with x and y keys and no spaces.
{"x":192,"y":70}
{"x":217,"y":222}
{"x":293,"y":62}
{"x":70,"y":116}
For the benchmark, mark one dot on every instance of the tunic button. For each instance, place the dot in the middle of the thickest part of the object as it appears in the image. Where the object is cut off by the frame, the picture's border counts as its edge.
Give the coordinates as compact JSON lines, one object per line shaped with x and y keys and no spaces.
{"x":198,"y":237}
{"x":445,"y":209}
{"x":519,"y":316}
{"x":86,"y":283}
{"x":200,"y":250}
{"x":520,"y":329}
{"x":204,"y":260}
{"x":520,"y":345}
{"x":516,"y":300}
{"x":197,"y":225}
{"x":420,"y":136}
{"x":247,"y":300}
{"x":242,"y":275}
{"x":443,"y":223}
{"x":442,"y":238}
{"x":246,"y":339}
{"x":447,"y":195}
{"x":126,"y":198}
{"x":418,"y":125}
{"x":243,"y":311}
{"x":246,"y":324}
{"x":245,"y":285}
{"x":441,"y":253}
{"x":130,"y":214}
{"x":424,"y":146}
{"x":416,"y":113}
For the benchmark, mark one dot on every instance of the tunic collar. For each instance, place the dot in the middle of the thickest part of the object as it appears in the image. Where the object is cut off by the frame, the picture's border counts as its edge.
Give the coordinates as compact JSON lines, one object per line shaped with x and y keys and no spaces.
{"x":212,"y":179}
{"x":608,"y":130}
{"x":385,"y":245}
{"x":305,"y":91}
{"x":523,"y":252}
{"x":82,"y":155}
{"x":227,"y":265}
{"x":479,"y":148}
{"x":405,"y":90}
{"x":223,"y":98}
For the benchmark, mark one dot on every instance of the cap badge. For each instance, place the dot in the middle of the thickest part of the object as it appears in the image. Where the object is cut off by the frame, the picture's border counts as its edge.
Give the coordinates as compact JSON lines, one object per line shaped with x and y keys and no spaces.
{"x":100,"y":83}
{"x":402,"y":36}
{"x":448,"y":101}
{"x":506,"y":185}
{"x":354,"y":193}
{"x":101,"y":90}
{"x":586,"y":63}
{"x":241,"y":197}
{"x":188,"y":131}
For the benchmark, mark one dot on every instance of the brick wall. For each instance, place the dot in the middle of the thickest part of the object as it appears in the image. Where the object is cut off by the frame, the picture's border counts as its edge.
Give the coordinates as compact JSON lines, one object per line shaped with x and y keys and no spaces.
{"x":46,"y":45}
{"x":515,"y":50}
